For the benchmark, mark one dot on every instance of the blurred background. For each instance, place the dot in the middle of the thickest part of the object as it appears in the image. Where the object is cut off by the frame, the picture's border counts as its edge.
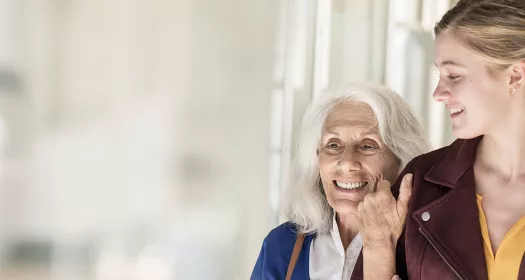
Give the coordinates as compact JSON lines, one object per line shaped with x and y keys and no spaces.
{"x":151,"y":139}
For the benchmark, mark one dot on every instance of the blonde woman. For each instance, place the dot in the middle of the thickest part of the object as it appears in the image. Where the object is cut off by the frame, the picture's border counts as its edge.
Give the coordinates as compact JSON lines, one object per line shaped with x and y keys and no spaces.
{"x":466,"y":215}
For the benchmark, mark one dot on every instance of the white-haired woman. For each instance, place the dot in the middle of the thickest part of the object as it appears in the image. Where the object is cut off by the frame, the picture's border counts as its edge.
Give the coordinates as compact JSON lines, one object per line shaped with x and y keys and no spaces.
{"x":351,"y":140}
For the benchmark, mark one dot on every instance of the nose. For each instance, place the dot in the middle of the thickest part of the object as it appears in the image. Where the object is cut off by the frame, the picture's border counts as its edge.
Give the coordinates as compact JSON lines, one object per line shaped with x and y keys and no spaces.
{"x":349,"y":161}
{"x":441,"y":93}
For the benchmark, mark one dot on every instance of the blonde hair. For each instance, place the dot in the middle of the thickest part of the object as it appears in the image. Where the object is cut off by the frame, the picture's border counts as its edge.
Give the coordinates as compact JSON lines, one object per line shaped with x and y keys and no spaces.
{"x":493,"y":28}
{"x":304,"y":203}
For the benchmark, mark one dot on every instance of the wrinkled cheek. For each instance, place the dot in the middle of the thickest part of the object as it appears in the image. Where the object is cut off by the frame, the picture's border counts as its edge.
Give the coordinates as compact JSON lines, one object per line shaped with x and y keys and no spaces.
{"x":327,"y":165}
{"x":325,"y":179}
{"x":391,"y":174}
{"x":391,"y":169}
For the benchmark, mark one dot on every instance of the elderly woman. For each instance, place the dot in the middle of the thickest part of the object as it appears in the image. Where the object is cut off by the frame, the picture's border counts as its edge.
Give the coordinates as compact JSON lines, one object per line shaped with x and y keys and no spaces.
{"x":351,"y":140}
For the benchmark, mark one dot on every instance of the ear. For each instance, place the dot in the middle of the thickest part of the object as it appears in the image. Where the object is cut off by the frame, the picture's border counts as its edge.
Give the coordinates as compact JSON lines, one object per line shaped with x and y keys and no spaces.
{"x":517,"y":76}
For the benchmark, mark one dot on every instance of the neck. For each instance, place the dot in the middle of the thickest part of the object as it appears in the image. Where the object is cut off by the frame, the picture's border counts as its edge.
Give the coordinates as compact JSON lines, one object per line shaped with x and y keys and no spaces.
{"x":348,"y":228}
{"x":503,"y":150}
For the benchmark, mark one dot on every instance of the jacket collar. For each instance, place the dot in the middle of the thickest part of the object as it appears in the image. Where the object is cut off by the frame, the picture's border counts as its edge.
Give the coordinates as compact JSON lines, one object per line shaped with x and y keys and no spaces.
{"x":454,"y":162}
{"x":460,"y":242}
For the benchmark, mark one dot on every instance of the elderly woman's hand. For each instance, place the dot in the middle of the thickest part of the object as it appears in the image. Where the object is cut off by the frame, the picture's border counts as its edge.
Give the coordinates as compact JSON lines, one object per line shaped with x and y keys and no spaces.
{"x":381,"y":222}
{"x":381,"y":216}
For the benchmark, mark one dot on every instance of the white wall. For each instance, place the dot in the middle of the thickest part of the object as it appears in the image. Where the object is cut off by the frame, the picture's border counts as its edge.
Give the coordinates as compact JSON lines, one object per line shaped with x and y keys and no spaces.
{"x":227,"y":129}
{"x":145,"y":124}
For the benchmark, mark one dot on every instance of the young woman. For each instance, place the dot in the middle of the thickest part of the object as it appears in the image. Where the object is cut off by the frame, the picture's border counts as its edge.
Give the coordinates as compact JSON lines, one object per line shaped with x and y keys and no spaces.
{"x":466,"y":215}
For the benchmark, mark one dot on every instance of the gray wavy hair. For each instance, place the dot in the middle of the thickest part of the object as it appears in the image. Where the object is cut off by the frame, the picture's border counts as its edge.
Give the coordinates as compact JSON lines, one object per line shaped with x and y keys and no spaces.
{"x":304,"y":202}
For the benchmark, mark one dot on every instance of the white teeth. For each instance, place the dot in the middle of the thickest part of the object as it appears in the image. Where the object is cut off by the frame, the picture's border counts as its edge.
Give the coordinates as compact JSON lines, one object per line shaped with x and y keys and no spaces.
{"x":350,"y":186}
{"x":455,"y":110}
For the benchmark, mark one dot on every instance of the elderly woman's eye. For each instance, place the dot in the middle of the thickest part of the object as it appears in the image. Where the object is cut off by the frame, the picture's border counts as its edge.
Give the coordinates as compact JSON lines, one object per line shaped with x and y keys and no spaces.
{"x":333,"y":146}
{"x":369,"y":146}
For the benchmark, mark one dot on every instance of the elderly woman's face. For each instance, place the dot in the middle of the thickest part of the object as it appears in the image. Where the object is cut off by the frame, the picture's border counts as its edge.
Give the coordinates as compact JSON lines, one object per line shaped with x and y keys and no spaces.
{"x":352,"y":156}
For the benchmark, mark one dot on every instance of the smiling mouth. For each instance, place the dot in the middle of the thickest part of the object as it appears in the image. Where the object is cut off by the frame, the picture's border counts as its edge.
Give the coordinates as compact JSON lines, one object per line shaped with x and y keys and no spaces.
{"x":455,"y":111}
{"x":350,"y":185}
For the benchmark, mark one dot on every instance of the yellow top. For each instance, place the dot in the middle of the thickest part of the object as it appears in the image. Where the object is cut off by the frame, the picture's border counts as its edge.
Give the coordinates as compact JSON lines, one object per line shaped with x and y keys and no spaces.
{"x":506,"y":263}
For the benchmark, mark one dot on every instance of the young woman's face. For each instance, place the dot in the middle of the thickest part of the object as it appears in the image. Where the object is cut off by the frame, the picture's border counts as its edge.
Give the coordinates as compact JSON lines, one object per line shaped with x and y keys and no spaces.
{"x":478,"y":98}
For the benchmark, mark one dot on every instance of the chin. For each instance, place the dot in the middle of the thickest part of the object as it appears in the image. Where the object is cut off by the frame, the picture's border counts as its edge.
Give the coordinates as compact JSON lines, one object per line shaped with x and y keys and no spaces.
{"x":345,"y":206}
{"x":465,"y":133}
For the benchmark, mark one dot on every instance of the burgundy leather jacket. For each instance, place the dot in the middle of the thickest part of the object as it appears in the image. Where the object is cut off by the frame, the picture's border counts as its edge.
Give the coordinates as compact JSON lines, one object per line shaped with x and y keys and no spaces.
{"x":442,"y":238}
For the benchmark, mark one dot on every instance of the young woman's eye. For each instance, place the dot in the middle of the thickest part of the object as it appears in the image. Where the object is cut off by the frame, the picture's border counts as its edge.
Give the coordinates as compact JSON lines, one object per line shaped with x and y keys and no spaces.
{"x":453,"y":77}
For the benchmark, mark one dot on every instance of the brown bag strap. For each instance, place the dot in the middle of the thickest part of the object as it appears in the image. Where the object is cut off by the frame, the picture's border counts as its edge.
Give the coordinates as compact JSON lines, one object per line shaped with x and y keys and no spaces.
{"x":295,"y":255}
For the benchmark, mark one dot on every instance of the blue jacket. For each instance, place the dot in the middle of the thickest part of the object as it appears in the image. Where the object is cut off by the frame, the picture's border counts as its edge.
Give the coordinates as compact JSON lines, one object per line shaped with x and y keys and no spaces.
{"x":276,"y":252}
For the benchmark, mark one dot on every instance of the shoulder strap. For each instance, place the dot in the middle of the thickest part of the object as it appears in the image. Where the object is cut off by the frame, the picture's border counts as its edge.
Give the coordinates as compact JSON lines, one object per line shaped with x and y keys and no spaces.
{"x":295,"y":255}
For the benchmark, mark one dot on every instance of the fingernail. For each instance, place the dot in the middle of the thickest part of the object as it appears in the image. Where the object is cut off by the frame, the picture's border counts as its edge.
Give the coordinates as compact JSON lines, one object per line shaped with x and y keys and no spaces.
{"x":408,"y":177}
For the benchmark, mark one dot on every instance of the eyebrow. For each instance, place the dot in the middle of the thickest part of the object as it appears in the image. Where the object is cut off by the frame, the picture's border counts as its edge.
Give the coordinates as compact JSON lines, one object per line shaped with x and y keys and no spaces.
{"x":372,"y":131}
{"x":448,"y":62}
{"x":329,"y":131}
